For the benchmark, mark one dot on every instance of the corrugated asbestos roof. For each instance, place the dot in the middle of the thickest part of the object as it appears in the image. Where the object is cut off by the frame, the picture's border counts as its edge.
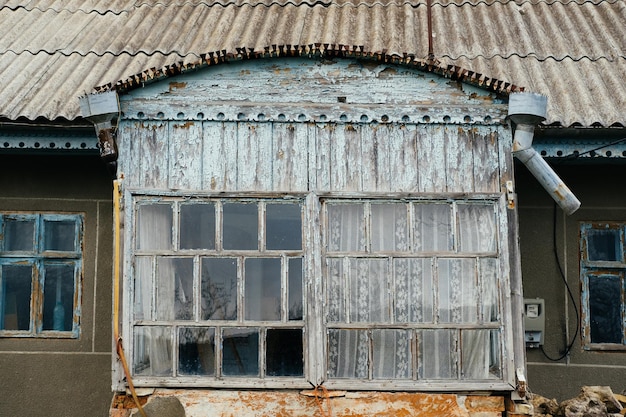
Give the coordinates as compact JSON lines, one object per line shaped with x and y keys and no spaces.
{"x":52,"y":51}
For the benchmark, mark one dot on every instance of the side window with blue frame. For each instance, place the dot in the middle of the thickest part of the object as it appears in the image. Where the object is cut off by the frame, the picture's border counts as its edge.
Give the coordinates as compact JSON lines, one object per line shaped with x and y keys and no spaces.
{"x":603,"y":267}
{"x":40,"y":274}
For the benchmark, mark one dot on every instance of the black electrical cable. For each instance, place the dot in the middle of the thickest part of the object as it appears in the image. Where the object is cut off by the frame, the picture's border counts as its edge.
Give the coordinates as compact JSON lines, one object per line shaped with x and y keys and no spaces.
{"x":569,"y":291}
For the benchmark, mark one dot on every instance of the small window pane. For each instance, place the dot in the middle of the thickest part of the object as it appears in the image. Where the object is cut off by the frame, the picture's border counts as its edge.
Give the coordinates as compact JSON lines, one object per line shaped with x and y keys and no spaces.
{"x":433,"y":227}
{"x":414,"y":290}
{"x":60,"y":235}
{"x":480,"y":354}
{"x":392,"y":354}
{"x":197,"y":226}
{"x":369,"y":295}
{"x":241,"y":226}
{"x":174,"y":289}
{"x":336,"y":291}
{"x":143,"y":288}
{"x":477,"y":228}
{"x":604,"y":245}
{"x":390,"y":230}
{"x":296,"y":307}
{"x":153,"y":351}
{"x":283,"y":226}
{"x":605,"y":309}
{"x":284,"y":352}
{"x":58,"y":304}
{"x":196,"y":351}
{"x":262,"y":289}
{"x":19,"y":235}
{"x":154,"y":227}
{"x":219,"y":289}
{"x":348,"y":353}
{"x":15,"y":292}
{"x":240,"y":353}
{"x":437,"y":354}
{"x":346,"y":227}
{"x":458,"y":293}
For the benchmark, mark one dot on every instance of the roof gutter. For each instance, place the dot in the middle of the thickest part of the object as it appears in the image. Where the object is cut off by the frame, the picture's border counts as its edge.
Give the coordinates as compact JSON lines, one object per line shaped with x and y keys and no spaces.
{"x":525,"y":111}
{"x":101,"y":109}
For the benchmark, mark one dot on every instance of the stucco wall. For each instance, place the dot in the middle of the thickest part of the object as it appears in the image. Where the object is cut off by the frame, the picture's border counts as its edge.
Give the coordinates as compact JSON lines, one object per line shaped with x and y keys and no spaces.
{"x":63,"y":377}
{"x":601,"y":191}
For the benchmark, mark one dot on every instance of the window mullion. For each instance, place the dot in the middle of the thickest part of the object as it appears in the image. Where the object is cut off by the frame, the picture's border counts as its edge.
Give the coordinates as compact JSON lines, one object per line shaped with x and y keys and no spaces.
{"x":36,"y":306}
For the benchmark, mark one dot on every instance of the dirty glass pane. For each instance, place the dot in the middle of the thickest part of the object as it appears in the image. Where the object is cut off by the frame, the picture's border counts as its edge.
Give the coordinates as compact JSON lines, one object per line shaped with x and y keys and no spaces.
{"x":143,"y":288}
{"x":59,"y":235}
{"x":477,"y":228}
{"x":174,"y":282}
{"x":284,"y":352}
{"x":196,"y":351}
{"x":296,"y":303}
{"x":413,"y":280}
{"x":348,"y":353}
{"x":433,"y":227}
{"x":19,"y":235}
{"x":154,"y":226}
{"x":197,"y":226}
{"x":346,"y":227}
{"x":392,"y":354}
{"x":15,"y":293}
{"x":604,"y":245}
{"x":240,"y":352}
{"x":437,"y":354}
{"x":283,"y":226}
{"x":458,"y":292}
{"x":219,"y":289}
{"x":335,"y":288}
{"x":390,"y":229}
{"x":58,"y":302}
{"x":262,"y":289}
{"x":369,"y":296}
{"x":480,"y":354}
{"x":241,"y":226}
{"x":489,"y":292}
{"x":152,"y":351}
{"x":605,"y":318}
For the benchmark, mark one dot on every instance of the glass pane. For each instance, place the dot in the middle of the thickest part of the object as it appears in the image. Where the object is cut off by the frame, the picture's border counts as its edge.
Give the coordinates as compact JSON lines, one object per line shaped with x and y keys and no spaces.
{"x":16,"y":285}
{"x":604,"y":245}
{"x":369,"y":294}
{"x":283,"y":226}
{"x":240,"y":355}
{"x":174,"y":289}
{"x":241,"y":226}
{"x":335,"y":288}
{"x":19,"y":235}
{"x":392,"y":354}
{"x":480,"y":354}
{"x":413,"y":280}
{"x":152,"y":351}
{"x":143,"y":288}
{"x":197,"y":226}
{"x":489,"y":291}
{"x":196,"y":351}
{"x":348,"y":353}
{"x":284,"y":352}
{"x":389,"y":227}
{"x":58,"y":303}
{"x":605,"y":304}
{"x":433,"y":228}
{"x":346,"y":227}
{"x":60,"y":235}
{"x":154,"y":227}
{"x":296,"y":300}
{"x":219,"y":289}
{"x":477,"y":228}
{"x":458,"y":294}
{"x":262,"y":289}
{"x":437,"y":354}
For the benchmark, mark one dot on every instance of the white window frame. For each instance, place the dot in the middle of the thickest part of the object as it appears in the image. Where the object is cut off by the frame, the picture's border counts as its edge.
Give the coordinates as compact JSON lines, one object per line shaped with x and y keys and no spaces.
{"x":315,"y":327}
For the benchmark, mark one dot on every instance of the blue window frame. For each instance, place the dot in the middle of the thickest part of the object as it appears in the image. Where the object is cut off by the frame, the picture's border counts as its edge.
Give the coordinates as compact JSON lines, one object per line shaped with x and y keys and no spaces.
{"x":40,"y":274}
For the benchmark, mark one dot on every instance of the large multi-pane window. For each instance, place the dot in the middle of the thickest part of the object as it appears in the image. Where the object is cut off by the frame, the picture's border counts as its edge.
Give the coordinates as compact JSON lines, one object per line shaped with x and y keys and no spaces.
{"x":333,"y":290}
{"x":603,"y":266}
{"x":40,"y":272}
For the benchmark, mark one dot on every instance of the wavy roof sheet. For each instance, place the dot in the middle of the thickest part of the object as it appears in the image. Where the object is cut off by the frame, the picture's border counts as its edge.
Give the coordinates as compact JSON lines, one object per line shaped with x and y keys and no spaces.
{"x":574,"y":51}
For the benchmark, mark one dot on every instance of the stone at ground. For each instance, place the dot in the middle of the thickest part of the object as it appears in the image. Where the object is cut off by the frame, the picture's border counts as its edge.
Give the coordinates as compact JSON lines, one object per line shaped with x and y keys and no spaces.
{"x":594,"y":401}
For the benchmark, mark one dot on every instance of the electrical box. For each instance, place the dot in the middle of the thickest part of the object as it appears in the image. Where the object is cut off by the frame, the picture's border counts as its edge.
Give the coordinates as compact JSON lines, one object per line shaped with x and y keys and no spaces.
{"x":534,"y":322}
